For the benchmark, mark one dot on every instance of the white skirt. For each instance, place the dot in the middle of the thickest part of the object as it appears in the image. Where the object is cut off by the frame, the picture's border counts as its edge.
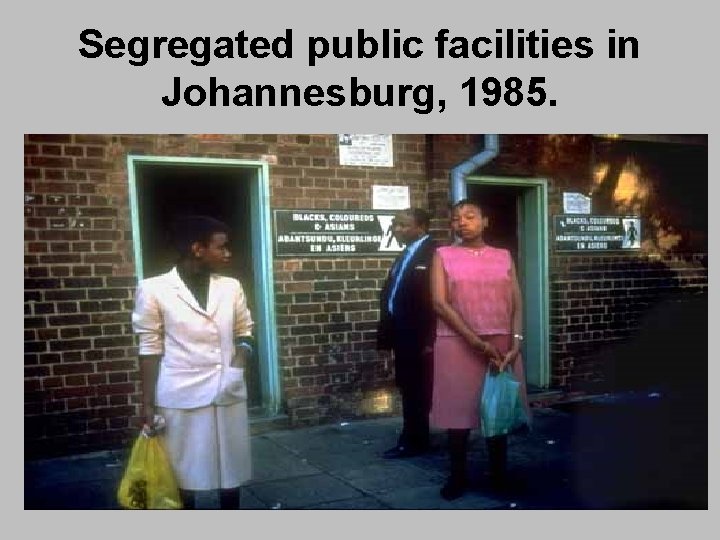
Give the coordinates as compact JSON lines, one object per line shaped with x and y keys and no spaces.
{"x":209,"y":447}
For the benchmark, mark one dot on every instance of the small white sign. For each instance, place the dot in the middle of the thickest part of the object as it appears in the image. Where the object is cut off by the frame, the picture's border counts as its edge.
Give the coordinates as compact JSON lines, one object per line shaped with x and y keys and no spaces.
{"x":390,"y":197}
{"x":365,"y":150}
{"x":576,"y":203}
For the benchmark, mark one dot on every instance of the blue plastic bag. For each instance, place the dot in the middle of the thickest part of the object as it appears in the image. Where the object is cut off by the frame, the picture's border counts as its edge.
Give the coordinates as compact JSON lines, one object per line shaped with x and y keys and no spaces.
{"x":501,"y":408}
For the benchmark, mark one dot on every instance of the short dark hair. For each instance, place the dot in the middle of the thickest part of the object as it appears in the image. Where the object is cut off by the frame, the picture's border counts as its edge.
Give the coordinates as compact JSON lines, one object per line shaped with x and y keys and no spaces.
{"x":186,"y":230}
{"x":467,"y":202}
{"x":421,"y":217}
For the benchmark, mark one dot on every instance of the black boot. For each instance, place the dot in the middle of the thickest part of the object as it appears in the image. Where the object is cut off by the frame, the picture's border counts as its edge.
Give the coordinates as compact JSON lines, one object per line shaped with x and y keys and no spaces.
{"x":457,"y":482}
{"x":497,"y":457}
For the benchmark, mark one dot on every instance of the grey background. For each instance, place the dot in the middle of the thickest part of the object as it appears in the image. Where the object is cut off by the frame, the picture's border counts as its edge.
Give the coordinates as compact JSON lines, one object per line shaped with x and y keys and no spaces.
{"x":656,"y":91}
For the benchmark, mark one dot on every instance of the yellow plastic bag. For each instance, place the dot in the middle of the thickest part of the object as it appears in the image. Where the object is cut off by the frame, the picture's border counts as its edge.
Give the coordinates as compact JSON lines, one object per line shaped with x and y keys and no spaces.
{"x":149,"y":482}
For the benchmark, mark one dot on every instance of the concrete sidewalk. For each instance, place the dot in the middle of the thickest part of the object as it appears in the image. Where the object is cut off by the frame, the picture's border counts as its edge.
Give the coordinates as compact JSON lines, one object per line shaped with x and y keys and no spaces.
{"x":599,"y":454}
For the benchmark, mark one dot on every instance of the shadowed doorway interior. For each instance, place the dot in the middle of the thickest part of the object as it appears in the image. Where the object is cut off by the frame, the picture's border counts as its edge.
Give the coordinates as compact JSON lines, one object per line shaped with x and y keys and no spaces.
{"x":517,"y":212}
{"x":501,"y":206}
{"x":167,"y":190}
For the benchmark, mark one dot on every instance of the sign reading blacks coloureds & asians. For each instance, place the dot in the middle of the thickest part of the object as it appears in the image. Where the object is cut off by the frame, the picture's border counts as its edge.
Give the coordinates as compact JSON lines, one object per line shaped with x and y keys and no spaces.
{"x":596,"y":233}
{"x":334,"y":233}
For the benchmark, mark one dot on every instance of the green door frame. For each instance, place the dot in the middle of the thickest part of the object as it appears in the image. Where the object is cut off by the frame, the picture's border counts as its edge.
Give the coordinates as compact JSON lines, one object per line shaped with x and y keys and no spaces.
{"x":260,"y":223}
{"x":533,"y":272}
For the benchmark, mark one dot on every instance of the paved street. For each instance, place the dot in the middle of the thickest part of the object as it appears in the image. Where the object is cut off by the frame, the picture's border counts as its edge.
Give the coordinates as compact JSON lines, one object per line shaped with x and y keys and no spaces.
{"x":632,"y":450}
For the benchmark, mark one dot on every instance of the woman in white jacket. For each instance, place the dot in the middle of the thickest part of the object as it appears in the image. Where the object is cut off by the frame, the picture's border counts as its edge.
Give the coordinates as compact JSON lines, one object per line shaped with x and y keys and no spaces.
{"x":194,"y":331}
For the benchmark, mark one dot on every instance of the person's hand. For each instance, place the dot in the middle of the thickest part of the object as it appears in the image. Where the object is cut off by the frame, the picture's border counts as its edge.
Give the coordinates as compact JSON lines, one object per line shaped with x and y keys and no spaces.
{"x":489,"y":350}
{"x":238,"y":361}
{"x":154,"y":427}
{"x":509,"y":358}
{"x":148,"y":417}
{"x":241,"y":357}
{"x":494,"y":355}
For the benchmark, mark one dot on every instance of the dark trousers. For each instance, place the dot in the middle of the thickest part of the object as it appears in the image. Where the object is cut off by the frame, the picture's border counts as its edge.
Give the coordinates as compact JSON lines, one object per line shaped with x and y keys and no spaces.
{"x":414,"y":379}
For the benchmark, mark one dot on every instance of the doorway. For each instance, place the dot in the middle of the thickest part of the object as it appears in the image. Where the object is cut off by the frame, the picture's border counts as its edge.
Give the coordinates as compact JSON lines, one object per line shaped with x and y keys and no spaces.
{"x":517,"y":212}
{"x":235,"y":192}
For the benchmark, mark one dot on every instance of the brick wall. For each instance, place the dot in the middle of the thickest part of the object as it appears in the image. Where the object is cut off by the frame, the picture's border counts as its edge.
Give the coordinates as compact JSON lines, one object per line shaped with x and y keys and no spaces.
{"x":327,"y":309}
{"x":79,"y":367}
{"x":599,"y":302}
{"x":81,"y":380}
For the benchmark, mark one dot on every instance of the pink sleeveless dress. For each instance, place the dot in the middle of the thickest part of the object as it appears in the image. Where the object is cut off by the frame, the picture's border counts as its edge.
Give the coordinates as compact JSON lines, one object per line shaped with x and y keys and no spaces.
{"x":479,"y":287}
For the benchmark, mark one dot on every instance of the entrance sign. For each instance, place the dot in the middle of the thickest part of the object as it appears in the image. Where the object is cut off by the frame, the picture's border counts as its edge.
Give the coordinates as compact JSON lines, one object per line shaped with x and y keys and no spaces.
{"x":576,"y":203}
{"x":334,"y":233}
{"x":365,"y":150}
{"x":596,"y":233}
{"x":390,"y":197}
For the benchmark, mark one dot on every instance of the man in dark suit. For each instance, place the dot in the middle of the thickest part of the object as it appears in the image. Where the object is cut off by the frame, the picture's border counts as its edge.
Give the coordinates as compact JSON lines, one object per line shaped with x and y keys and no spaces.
{"x":407,"y":327}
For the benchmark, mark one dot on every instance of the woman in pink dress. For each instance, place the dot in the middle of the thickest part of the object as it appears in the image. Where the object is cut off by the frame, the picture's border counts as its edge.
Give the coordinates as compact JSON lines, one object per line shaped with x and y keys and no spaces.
{"x":479,"y":306}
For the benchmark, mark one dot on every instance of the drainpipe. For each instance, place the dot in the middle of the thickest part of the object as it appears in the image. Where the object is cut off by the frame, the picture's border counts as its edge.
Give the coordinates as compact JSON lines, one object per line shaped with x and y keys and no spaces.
{"x":458,"y":185}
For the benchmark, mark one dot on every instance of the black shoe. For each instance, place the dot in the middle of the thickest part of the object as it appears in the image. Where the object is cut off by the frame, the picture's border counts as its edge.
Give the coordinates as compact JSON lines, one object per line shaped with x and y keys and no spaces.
{"x":453,"y":489}
{"x":400,"y":451}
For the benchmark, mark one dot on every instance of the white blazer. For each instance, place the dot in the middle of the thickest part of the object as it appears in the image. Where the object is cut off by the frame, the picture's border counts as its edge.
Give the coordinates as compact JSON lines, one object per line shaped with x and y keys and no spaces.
{"x":196,"y":345}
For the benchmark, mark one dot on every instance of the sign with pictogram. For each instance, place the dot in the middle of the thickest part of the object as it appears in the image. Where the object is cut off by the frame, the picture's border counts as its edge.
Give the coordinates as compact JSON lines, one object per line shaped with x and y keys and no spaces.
{"x":333,"y":233}
{"x":596,"y":233}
